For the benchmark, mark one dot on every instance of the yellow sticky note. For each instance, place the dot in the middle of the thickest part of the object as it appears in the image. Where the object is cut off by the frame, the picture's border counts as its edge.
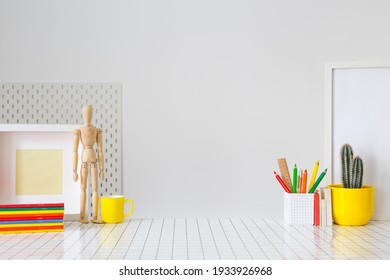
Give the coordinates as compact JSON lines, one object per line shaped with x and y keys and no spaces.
{"x":39,"y":172}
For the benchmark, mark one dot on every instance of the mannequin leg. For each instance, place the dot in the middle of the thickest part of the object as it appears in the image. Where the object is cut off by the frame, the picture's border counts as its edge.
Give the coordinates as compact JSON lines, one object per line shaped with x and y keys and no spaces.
{"x":83,"y":193}
{"x":95,"y":196}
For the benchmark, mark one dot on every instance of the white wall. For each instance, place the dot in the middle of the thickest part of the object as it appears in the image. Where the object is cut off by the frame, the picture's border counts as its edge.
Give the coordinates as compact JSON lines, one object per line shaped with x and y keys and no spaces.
{"x":214,"y":91}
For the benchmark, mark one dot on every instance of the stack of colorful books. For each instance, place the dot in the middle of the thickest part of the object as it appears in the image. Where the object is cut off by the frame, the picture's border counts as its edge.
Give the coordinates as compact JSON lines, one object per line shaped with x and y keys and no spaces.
{"x":21,"y":218}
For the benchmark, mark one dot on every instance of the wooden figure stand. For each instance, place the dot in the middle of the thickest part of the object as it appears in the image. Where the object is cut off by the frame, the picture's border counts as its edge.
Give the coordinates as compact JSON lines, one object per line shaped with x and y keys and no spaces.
{"x":89,"y":136}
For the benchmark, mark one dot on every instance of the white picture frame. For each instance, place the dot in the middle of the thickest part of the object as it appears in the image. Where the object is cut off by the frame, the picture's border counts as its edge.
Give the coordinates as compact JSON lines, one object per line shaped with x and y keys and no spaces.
{"x":14,"y":137}
{"x":355,"y":92}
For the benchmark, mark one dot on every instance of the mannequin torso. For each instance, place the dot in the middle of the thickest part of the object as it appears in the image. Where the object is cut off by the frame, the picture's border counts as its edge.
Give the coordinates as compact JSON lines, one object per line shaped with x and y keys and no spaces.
{"x":88,"y":139}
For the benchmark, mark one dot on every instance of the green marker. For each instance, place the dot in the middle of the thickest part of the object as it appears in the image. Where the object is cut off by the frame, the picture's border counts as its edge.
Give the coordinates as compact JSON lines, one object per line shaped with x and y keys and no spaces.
{"x":313,"y":188}
{"x":295,"y":179}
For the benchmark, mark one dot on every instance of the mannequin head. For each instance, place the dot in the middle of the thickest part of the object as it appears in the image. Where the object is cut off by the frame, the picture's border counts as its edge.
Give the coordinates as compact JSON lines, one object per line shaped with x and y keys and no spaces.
{"x":87,"y":114}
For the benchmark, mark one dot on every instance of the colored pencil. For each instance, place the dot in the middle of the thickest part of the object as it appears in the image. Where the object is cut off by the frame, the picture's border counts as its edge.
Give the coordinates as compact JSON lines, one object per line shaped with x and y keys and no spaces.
{"x":304,"y":183}
{"x":300,"y":181}
{"x":286,"y":189}
{"x":314,"y":174}
{"x":318,"y":181}
{"x":295,"y":178}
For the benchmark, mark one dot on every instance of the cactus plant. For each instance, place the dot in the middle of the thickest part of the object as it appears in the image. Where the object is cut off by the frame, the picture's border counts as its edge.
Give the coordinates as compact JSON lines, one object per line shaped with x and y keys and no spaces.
{"x":352,"y":202}
{"x":357,"y":173}
{"x":346,"y":165}
{"x":351,"y":168}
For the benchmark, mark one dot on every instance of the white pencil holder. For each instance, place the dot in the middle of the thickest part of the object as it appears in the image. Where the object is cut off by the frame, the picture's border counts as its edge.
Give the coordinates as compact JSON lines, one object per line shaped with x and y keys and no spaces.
{"x":299,"y":208}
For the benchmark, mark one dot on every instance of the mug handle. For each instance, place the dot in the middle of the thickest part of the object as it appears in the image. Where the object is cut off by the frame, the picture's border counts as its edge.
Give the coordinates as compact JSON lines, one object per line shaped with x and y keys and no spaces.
{"x":131,"y":207}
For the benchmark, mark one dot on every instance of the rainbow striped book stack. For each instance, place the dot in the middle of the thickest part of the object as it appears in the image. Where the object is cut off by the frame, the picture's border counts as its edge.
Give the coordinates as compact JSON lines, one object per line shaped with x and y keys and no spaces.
{"x":21,"y":218}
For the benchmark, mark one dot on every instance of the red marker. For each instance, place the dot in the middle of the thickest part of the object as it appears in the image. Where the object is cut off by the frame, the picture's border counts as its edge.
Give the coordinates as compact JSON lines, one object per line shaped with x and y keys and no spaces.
{"x":282,"y":183}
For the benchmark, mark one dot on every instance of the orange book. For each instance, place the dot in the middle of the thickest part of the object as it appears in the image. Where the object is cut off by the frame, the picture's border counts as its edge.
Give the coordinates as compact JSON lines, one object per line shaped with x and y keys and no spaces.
{"x":31,"y":229}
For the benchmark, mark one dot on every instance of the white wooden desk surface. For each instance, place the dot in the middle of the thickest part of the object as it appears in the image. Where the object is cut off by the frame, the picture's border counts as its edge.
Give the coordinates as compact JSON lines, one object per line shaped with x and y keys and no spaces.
{"x":214,"y":239}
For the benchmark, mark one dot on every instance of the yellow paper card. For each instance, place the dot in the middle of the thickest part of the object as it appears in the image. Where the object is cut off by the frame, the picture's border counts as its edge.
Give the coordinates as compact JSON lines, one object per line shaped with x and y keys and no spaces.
{"x":39,"y":172}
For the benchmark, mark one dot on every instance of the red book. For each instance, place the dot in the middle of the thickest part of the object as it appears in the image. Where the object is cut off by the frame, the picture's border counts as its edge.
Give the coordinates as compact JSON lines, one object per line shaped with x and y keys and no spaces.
{"x":30,"y":228}
{"x":317,"y":217}
{"x":32,"y":205}
{"x":16,"y":217}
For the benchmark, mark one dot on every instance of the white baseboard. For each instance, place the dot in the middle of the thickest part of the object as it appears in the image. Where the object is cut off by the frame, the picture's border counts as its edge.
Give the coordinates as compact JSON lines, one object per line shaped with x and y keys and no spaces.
{"x":71,"y":217}
{"x":381,"y":217}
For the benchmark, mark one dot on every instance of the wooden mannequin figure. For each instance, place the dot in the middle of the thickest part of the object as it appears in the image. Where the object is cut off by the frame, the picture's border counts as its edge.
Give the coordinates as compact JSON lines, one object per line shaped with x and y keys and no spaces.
{"x":88,"y":135}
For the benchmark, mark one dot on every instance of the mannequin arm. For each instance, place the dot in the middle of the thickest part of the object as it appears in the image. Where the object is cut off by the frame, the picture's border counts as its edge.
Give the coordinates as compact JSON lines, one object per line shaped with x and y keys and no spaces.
{"x":75,"y":156}
{"x":99,"y":141}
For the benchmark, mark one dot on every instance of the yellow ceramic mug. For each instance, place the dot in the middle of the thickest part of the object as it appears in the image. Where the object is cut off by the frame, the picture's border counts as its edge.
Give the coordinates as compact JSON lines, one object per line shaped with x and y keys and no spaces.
{"x":113,"y":208}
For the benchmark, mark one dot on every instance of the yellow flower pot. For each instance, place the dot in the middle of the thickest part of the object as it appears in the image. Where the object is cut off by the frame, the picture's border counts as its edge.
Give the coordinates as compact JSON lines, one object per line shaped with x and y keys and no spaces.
{"x":352,"y":207}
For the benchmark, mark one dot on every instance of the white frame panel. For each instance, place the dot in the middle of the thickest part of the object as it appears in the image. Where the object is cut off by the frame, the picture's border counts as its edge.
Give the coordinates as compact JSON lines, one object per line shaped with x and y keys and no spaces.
{"x":38,"y":137}
{"x":329,"y":120}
